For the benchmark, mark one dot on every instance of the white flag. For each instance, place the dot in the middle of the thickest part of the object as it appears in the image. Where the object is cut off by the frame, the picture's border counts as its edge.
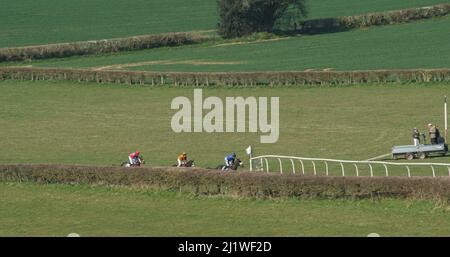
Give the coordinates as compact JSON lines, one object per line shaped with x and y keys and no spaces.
{"x":249,"y":150}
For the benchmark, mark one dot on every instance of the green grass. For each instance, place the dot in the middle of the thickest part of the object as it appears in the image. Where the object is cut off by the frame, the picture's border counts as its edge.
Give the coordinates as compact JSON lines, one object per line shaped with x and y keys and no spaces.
{"x":333,"y":8}
{"x":29,"y":22}
{"x":415,"y":45}
{"x":57,"y":210}
{"x":65,"y":122}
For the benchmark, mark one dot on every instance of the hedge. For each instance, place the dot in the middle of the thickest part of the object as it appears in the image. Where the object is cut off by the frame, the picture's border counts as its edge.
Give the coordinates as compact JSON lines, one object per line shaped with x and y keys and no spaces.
{"x":242,"y":184}
{"x":99,"y":46}
{"x":327,"y":25}
{"x":228,"y":78}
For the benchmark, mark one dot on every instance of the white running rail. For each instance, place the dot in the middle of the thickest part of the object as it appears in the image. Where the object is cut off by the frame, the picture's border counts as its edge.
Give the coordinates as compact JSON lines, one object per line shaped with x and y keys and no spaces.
{"x":264,"y":161}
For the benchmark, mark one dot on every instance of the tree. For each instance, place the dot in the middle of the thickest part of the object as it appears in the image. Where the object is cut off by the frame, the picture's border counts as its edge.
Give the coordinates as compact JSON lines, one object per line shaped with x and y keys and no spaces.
{"x":243,"y":17}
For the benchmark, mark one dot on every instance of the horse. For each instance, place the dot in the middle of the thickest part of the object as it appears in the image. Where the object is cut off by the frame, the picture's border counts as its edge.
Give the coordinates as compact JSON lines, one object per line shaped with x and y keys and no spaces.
{"x":127,"y":164}
{"x":235,"y":165}
{"x":188,"y":164}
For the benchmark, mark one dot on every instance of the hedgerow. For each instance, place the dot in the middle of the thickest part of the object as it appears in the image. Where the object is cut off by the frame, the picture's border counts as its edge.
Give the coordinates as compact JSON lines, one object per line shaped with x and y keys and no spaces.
{"x":243,"y":184}
{"x":244,"y":79}
{"x":327,"y":25}
{"x":99,"y":46}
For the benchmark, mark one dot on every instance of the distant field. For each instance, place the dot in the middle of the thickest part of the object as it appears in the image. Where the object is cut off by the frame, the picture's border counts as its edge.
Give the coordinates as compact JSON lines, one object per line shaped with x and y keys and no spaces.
{"x":30,"y":22}
{"x":57,"y":210}
{"x":333,"y":8}
{"x":416,"y":45}
{"x":79,"y":123}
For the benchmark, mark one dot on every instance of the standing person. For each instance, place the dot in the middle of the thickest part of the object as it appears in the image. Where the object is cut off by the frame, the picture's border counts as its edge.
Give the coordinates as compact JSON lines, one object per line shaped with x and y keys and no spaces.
{"x":439,"y":139}
{"x":416,"y":137}
{"x":432,"y":132}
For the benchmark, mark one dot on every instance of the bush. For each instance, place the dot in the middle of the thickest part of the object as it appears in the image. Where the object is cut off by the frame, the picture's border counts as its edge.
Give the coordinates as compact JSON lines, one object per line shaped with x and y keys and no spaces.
{"x":328,"y":25}
{"x":243,"y":17}
{"x":99,"y":46}
{"x":245,"y":184}
{"x":245,"y":79}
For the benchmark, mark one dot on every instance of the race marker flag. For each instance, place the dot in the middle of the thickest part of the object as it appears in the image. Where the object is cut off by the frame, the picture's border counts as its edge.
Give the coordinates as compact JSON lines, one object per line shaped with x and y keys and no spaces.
{"x":249,"y":150}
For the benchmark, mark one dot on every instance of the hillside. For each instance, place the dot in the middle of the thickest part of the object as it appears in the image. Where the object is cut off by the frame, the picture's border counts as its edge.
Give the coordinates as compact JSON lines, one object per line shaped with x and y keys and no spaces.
{"x":420,"y":44}
{"x":30,"y":22}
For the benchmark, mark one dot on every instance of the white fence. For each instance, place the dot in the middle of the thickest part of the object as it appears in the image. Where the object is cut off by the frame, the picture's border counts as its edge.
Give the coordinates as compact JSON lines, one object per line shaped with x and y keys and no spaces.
{"x":264,"y":162}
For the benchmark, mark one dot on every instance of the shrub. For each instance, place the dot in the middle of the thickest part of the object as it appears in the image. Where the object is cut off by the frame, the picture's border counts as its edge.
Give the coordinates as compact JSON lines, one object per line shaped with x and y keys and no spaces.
{"x":244,"y":17}
{"x":245,"y":184}
{"x":99,"y":46}
{"x":328,"y":25}
{"x":245,"y":79}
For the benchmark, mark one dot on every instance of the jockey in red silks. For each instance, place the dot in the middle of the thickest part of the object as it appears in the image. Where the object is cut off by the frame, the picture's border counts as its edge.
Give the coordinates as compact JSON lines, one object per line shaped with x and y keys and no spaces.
{"x":135,"y":158}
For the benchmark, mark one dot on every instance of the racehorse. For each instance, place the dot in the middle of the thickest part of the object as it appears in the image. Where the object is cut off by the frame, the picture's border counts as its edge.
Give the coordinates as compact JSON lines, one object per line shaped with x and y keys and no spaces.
{"x":189,"y":163}
{"x":127,"y":164}
{"x":235,"y":165}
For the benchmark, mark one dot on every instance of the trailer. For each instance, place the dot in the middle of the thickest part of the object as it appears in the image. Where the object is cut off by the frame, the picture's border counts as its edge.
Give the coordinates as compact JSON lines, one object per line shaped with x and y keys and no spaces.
{"x":421,"y":151}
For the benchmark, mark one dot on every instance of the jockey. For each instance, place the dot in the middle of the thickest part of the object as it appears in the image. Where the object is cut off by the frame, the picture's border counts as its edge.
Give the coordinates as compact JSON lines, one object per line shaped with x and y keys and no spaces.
{"x":135,"y":158}
{"x":182,"y":159}
{"x":229,"y":160}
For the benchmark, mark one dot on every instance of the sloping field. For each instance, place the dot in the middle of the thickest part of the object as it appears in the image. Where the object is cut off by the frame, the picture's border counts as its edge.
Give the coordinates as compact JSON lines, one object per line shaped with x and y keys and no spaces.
{"x":57,"y":210}
{"x":29,"y":22}
{"x":333,"y":8}
{"x":64,"y":122}
{"x":416,"y":45}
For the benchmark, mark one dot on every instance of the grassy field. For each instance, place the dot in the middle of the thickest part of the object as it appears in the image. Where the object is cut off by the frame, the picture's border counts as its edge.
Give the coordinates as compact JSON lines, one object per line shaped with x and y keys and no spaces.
{"x":23,"y":22}
{"x":415,"y":45}
{"x":65,"y":122}
{"x":57,"y":210}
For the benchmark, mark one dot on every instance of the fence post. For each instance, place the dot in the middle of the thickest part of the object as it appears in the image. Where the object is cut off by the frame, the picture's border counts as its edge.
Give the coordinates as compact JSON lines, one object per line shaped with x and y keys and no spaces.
{"x":267,"y":165}
{"x":293,"y":166}
{"x":281,"y":166}
{"x":303,"y":167}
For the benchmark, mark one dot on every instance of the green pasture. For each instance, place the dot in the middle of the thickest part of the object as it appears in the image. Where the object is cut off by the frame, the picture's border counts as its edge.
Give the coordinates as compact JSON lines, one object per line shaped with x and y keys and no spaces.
{"x":415,"y":45}
{"x":30,"y":22}
{"x":100,"y":124}
{"x":57,"y":210}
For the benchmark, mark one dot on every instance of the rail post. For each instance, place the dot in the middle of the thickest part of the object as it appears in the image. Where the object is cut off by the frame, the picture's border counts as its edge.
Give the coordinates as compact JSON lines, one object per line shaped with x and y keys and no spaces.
{"x":281,"y":165}
{"x":371,"y":170}
{"x":343,"y":170}
{"x":267,"y":165}
{"x":303,"y":167}
{"x":293,"y":166}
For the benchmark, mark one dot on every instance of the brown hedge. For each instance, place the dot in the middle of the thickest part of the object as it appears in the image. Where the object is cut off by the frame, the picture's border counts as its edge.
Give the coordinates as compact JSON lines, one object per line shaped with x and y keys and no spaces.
{"x":245,"y":184}
{"x":99,"y":46}
{"x":327,"y":25}
{"x":228,"y":78}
